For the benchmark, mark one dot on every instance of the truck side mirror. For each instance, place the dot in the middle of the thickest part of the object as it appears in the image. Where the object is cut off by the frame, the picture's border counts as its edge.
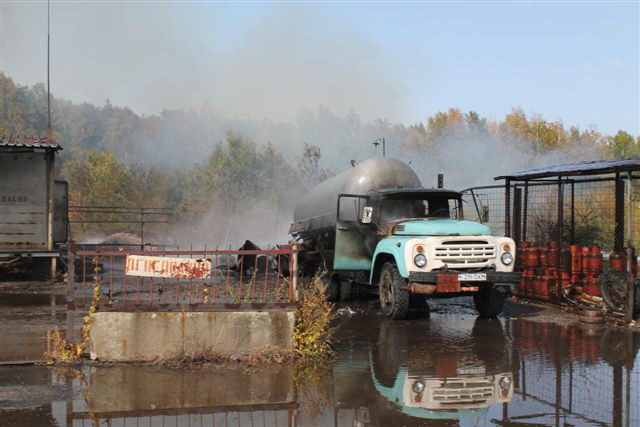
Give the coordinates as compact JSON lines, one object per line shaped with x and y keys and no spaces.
{"x":367,"y":213}
{"x":485,"y":213}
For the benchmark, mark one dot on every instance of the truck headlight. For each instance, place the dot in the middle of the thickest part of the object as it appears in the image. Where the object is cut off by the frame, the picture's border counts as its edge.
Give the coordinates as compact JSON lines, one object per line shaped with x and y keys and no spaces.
{"x":420,"y":260}
{"x":505,"y":382}
{"x":507,"y":258}
{"x":418,"y":387}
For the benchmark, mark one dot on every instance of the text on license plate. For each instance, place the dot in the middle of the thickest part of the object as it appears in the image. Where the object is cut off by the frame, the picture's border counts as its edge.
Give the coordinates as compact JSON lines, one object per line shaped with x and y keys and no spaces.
{"x":472,"y":277}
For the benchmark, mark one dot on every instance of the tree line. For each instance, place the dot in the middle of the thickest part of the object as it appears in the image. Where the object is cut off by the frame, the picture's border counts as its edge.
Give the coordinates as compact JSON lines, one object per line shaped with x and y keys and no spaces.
{"x":192,"y":161}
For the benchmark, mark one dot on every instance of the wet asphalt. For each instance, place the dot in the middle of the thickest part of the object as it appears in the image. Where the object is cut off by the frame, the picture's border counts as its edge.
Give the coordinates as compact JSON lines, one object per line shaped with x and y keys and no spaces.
{"x":530,"y":366}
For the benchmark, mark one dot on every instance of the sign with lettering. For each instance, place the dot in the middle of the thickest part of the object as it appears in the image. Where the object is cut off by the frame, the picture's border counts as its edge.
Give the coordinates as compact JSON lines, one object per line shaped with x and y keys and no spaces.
{"x":180,"y":268}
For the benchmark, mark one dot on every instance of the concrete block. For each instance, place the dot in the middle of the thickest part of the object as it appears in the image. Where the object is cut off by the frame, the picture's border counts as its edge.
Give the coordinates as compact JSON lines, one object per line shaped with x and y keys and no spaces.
{"x":146,"y":336}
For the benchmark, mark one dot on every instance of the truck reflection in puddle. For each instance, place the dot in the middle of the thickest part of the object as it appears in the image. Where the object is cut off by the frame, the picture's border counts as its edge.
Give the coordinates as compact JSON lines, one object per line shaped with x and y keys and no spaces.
{"x":461,"y":370}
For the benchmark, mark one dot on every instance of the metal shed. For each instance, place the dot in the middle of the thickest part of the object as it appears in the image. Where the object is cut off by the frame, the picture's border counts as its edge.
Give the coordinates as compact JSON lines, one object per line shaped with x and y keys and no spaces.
{"x":33,"y":206}
{"x":605,"y":187}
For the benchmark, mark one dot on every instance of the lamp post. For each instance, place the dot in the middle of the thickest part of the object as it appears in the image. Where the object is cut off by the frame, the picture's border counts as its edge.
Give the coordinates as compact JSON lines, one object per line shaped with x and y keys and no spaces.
{"x":378,"y":142}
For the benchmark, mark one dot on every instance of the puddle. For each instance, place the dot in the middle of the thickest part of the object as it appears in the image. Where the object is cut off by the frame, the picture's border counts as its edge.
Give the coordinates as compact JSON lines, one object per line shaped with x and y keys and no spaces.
{"x":450,"y":369}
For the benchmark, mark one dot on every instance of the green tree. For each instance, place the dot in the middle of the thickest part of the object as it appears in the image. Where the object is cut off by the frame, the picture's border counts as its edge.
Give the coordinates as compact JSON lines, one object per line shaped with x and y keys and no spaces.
{"x":623,"y":146}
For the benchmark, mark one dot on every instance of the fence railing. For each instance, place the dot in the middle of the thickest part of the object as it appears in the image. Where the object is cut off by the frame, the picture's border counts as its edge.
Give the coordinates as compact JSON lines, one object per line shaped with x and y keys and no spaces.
{"x":130,"y":280}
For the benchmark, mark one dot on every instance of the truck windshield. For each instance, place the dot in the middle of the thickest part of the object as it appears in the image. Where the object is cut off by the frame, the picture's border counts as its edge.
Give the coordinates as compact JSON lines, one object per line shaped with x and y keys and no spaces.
{"x":395,"y":208}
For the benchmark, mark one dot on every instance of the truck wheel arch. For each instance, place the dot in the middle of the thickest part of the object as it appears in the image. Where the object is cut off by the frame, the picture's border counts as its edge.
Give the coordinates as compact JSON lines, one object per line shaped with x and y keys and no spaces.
{"x":378,"y":262}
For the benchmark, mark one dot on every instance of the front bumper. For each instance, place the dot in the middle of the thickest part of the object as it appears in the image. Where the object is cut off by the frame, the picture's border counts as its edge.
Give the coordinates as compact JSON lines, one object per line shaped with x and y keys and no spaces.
{"x":510,"y":279}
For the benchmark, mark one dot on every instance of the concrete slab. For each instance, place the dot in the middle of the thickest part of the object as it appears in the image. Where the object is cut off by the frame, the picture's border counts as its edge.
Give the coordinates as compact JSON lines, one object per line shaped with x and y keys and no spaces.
{"x":146,"y":336}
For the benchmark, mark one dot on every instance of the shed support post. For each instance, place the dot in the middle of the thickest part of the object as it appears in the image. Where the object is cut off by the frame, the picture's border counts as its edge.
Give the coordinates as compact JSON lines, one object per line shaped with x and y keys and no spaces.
{"x":525,"y":208}
{"x":618,"y":244}
{"x":517,"y":215}
{"x":631,"y":283}
{"x":559,"y":238}
{"x":507,"y":207}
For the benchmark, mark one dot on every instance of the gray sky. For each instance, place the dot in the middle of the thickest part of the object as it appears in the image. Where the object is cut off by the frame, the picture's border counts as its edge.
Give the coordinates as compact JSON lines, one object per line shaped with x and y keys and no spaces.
{"x":573,"y":61}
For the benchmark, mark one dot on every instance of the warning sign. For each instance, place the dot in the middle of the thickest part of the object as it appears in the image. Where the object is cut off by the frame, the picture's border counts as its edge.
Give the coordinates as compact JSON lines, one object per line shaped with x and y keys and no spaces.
{"x":181,"y":268}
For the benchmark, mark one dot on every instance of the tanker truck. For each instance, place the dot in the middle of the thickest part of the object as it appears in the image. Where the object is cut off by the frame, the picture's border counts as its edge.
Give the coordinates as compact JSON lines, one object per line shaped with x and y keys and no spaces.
{"x":376,"y":225}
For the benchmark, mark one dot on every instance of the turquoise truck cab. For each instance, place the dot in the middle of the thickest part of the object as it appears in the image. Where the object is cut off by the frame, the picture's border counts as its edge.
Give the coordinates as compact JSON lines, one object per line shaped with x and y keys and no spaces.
{"x":376,"y":225}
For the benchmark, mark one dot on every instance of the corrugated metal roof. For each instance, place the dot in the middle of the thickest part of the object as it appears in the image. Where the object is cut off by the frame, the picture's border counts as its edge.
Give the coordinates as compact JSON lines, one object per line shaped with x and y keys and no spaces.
{"x":598,"y":167}
{"x":27,"y":141}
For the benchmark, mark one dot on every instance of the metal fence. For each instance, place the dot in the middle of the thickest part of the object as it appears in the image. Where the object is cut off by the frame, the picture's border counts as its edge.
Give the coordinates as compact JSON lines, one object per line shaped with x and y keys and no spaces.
{"x":577,"y":230}
{"x":204,"y":280}
{"x":528,"y":211}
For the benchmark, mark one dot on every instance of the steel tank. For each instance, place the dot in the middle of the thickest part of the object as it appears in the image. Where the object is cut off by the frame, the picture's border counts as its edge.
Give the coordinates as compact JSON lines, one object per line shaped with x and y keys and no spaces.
{"x":317,"y":210}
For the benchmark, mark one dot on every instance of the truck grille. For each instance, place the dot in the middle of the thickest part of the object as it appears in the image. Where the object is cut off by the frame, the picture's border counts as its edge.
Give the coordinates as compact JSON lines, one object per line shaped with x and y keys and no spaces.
{"x":459,"y":391}
{"x":463,"y":252}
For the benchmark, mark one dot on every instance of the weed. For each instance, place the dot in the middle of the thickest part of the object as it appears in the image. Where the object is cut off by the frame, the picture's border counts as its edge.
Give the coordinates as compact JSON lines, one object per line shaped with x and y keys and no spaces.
{"x":313,"y":332}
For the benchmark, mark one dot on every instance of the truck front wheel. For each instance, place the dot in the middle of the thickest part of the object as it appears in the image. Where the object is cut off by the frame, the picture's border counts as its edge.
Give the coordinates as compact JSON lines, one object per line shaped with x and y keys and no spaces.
{"x":489,"y":301}
{"x":393,"y":299}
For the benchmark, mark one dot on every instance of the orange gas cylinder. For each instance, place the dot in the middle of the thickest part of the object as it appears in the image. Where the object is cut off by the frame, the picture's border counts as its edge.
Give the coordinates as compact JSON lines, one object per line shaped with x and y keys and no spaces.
{"x":576,"y":260}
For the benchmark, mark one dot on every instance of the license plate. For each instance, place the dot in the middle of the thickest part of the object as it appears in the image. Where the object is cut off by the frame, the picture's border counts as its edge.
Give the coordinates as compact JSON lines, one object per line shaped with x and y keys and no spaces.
{"x":472,"y":277}
{"x":471,"y":371}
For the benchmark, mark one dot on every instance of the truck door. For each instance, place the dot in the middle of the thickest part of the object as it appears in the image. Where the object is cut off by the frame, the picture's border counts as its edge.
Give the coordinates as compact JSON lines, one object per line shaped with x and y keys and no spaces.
{"x":355,"y":235}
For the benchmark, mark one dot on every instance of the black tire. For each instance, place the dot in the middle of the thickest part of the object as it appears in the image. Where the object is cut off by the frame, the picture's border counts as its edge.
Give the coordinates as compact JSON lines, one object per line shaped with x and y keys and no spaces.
{"x":489,"y":301}
{"x":394,"y":300}
{"x":346,"y":289}
{"x":331,"y":283}
{"x":613,"y":285}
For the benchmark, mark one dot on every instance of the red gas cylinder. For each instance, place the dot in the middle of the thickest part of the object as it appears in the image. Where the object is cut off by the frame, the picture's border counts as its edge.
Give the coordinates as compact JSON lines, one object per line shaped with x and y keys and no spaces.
{"x":531,"y":258}
{"x":595,"y":260}
{"x":616,"y":261}
{"x":576,"y":259}
{"x":544,"y":255}
{"x":544,"y":287}
{"x":584,"y":255}
{"x":591,"y":287}
{"x":520,"y":251}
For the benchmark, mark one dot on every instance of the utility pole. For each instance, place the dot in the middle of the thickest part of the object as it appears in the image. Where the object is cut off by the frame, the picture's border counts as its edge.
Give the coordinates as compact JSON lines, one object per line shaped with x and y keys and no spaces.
{"x":49,"y":133}
{"x":378,"y":142}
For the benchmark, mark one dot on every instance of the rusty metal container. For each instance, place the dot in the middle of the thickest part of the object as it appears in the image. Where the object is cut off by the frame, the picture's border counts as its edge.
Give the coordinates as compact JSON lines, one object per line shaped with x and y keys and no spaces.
{"x":584,"y":255}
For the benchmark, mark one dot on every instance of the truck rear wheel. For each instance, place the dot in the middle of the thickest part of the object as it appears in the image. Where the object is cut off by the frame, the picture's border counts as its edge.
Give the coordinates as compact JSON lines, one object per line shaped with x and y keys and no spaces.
{"x":489,"y":301}
{"x":346,"y":289}
{"x":331,"y":283}
{"x":393,"y":299}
